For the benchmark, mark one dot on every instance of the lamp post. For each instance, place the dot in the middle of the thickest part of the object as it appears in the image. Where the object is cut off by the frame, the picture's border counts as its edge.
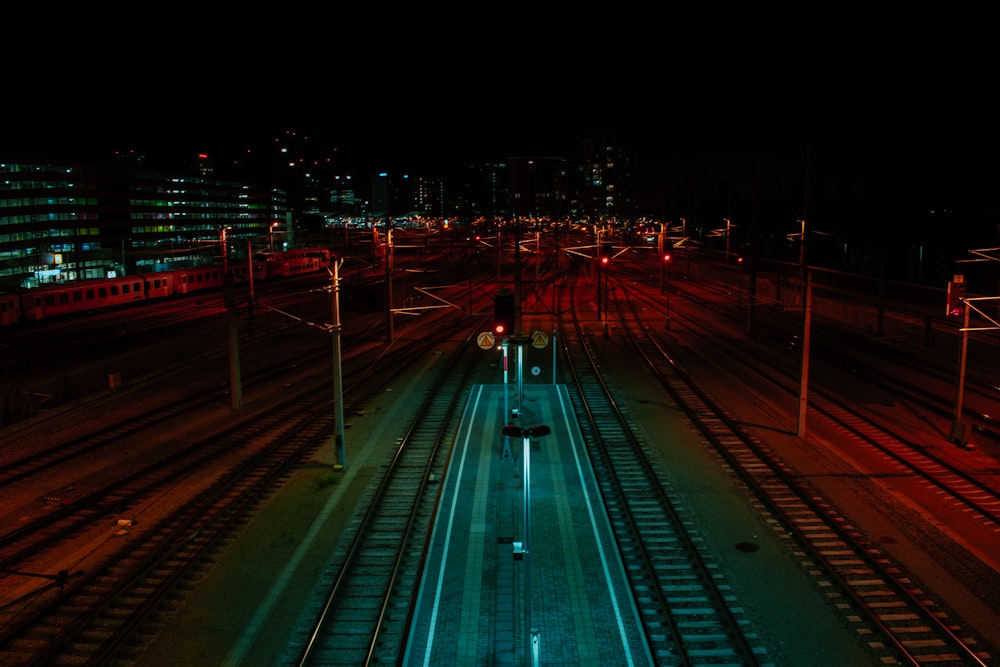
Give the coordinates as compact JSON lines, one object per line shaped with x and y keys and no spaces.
{"x":338,"y":388}
{"x":389,"y":330}
{"x":728,"y":225}
{"x":606,"y":264}
{"x":959,"y":429}
{"x":666,"y":260}
{"x":250,"y":274}
{"x":270,"y":236}
{"x":526,"y":434}
{"x":225,"y":253}
{"x":660,"y":245}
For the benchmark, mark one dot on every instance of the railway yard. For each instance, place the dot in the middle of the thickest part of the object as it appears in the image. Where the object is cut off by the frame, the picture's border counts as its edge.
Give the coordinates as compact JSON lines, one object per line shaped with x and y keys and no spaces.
{"x":156,"y":522}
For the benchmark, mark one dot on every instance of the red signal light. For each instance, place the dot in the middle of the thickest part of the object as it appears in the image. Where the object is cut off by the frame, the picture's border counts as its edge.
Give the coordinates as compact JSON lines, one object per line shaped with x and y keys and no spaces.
{"x":503,"y":313}
{"x":605,"y":260}
{"x":956,"y":296}
{"x":666,"y":257}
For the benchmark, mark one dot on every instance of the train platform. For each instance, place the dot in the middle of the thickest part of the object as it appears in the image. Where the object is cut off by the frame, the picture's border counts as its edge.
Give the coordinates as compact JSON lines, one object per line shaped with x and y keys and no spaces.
{"x":523,"y":567}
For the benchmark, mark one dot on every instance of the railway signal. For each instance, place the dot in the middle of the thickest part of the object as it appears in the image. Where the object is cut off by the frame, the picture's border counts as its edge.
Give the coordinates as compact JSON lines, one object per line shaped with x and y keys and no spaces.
{"x":956,"y":295}
{"x":503,"y":314}
{"x":607,"y":249}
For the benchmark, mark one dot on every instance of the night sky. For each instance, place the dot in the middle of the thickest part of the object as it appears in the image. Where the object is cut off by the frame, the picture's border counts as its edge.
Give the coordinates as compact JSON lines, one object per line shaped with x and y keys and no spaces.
{"x":696,"y":93}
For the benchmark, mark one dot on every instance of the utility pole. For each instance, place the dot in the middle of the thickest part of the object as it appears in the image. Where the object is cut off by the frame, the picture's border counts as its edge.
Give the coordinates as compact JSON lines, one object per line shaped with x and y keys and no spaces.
{"x":390,"y":333}
{"x":959,"y":429}
{"x":338,"y":387}
{"x":235,"y":382}
{"x":806,"y":308}
{"x":499,"y":257}
{"x":804,"y":378}
{"x":250,"y":275}
{"x":517,"y":277}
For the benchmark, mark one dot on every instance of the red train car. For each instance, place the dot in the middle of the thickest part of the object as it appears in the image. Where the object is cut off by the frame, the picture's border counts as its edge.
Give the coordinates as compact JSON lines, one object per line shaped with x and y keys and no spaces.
{"x":159,"y":285}
{"x":76,"y":297}
{"x":10,"y":308}
{"x":197,"y":279}
{"x":241,"y":271}
{"x":297,"y":262}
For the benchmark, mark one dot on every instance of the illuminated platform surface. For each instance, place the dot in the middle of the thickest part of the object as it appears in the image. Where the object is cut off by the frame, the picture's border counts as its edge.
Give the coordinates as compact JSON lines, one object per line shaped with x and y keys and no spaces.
{"x":567,"y":597}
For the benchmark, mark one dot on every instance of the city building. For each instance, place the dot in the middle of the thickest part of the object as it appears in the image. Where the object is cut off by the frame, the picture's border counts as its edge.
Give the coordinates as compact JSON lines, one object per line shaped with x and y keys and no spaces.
{"x":68,"y":220}
{"x":604,"y":179}
{"x":539,"y":187}
{"x":480,"y":192}
{"x":65,"y":221}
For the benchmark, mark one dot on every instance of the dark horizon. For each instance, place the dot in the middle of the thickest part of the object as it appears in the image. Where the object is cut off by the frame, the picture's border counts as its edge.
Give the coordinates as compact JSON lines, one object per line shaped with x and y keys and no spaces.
{"x":891,"y":110}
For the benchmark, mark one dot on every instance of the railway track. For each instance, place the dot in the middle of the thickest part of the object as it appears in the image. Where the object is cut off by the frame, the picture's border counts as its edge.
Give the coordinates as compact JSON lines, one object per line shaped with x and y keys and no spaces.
{"x":94,"y":616}
{"x":876,"y":360}
{"x":690,"y":616}
{"x":363,"y":616}
{"x":911,"y":627}
{"x":151,"y":416}
{"x":976,"y":491}
{"x":100,"y":611}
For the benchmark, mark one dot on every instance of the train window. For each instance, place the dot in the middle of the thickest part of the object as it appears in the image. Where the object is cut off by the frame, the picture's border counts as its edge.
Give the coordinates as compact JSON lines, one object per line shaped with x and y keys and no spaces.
{"x":64,"y":298}
{"x":90,"y":294}
{"x":102,"y":291}
{"x":50,"y":300}
{"x":126,"y":288}
{"x":114,"y":290}
{"x":78,"y":296}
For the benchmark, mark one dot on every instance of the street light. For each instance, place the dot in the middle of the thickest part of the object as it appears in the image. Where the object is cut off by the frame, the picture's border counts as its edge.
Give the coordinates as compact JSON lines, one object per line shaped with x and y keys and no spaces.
{"x":222,"y":242}
{"x":270,"y":236}
{"x":666,"y":260}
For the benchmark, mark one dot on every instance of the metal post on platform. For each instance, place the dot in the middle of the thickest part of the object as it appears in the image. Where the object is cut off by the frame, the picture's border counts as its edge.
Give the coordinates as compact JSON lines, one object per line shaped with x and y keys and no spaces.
{"x":553,"y":356}
{"x":506,"y":454}
{"x":520,"y":379}
{"x":526,"y":537}
{"x":506,"y":401}
{"x":536,"y":648}
{"x":524,"y":553}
